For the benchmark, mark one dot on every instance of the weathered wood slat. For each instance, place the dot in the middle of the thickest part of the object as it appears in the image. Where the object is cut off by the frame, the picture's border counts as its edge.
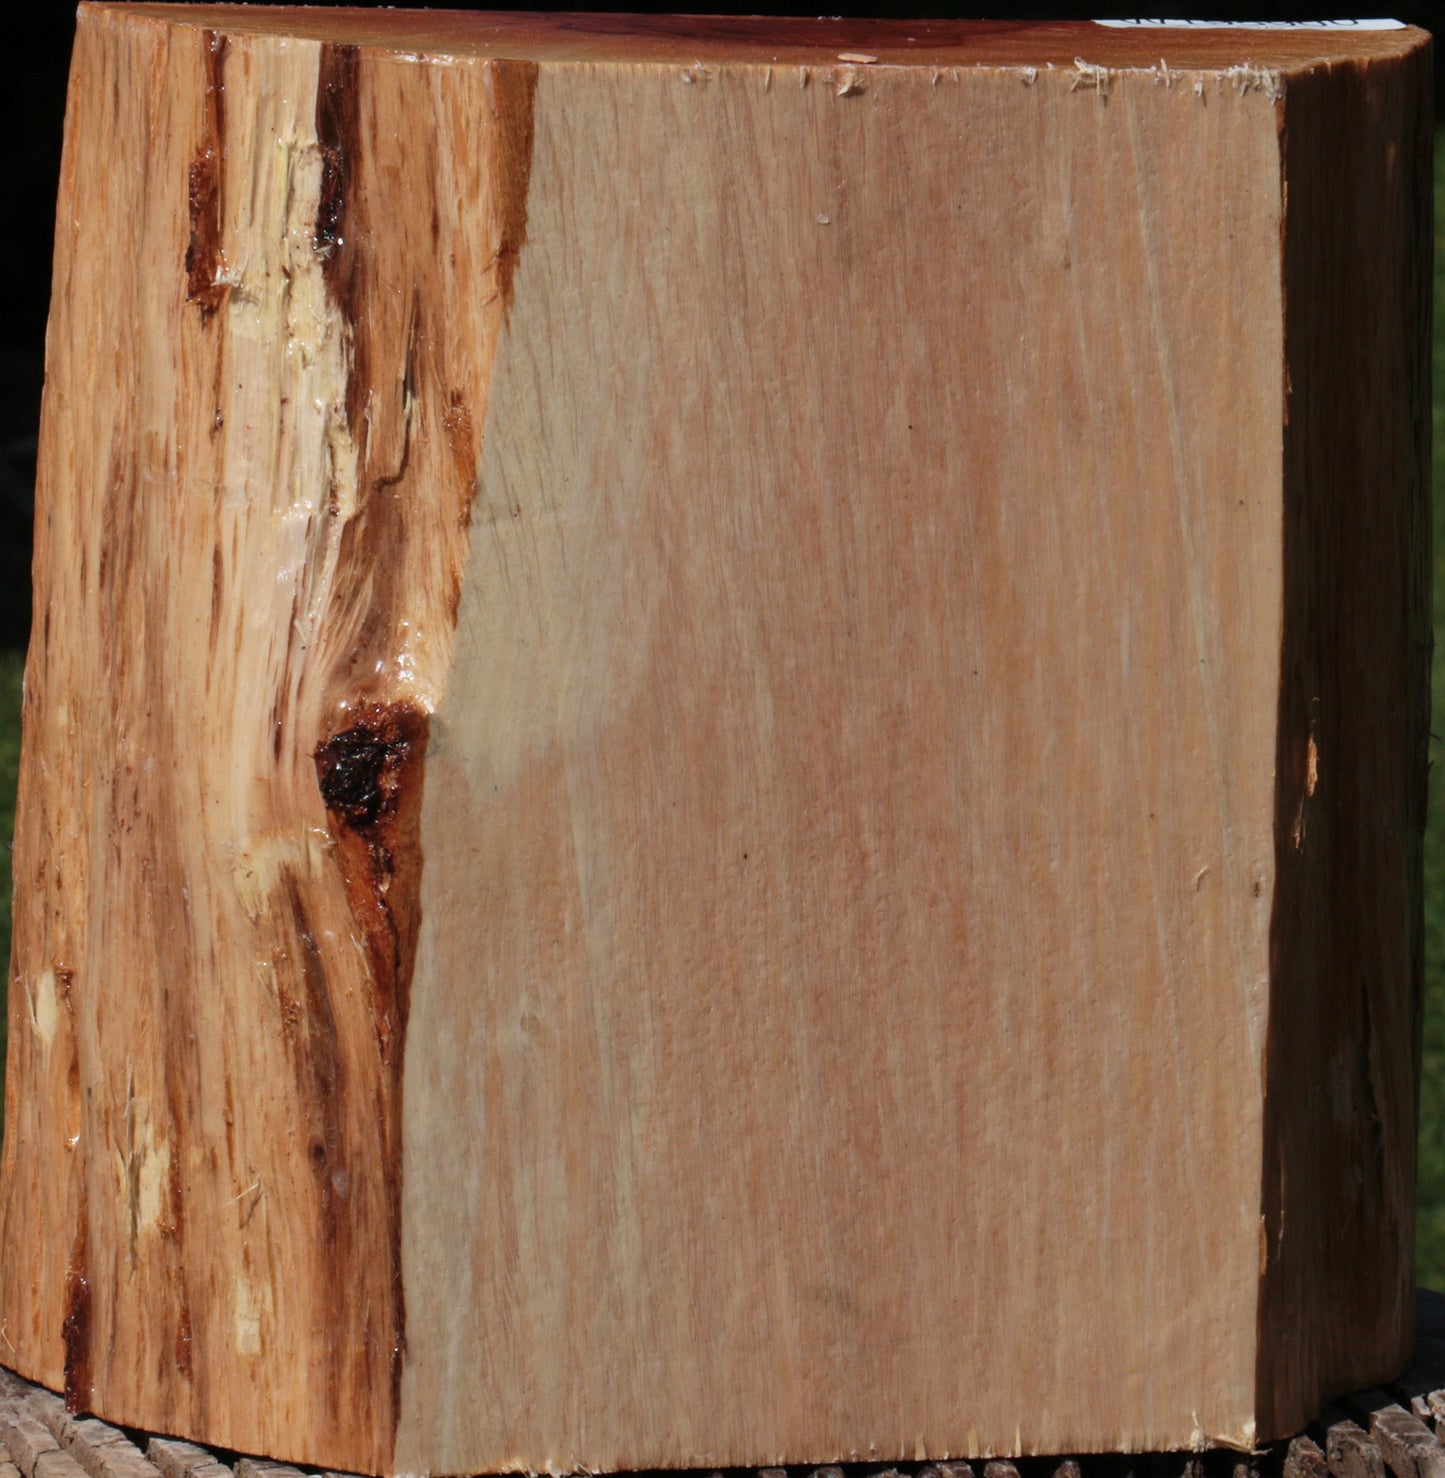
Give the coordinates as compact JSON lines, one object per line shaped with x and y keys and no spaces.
{"x":184,"y":1459}
{"x":26,"y":1438}
{"x":1304,"y":1458}
{"x":1407,"y":1445}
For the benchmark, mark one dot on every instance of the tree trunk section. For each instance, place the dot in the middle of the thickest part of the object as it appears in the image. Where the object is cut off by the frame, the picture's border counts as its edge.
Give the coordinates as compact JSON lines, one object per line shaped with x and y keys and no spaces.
{"x":725,"y":743}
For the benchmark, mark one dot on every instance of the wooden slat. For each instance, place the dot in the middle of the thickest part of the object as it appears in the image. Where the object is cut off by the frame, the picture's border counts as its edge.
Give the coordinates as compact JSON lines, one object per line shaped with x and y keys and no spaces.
{"x":184,"y":1459}
{"x":1303,"y":1458}
{"x":1407,"y":1445}
{"x":1350,"y":1453}
{"x":26,"y":1439}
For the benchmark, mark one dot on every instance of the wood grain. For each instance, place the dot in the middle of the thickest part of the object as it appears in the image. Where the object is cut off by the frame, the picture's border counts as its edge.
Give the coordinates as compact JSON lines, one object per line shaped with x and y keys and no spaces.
{"x":704,"y":715}
{"x":53,"y":1440}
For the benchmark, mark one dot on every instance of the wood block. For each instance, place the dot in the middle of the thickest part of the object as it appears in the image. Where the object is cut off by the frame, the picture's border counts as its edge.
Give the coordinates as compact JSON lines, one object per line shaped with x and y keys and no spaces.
{"x":725,"y":745}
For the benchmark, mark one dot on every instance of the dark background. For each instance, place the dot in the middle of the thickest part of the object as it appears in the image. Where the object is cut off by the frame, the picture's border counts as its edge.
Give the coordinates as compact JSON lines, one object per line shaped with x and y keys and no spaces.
{"x":32,"y":104}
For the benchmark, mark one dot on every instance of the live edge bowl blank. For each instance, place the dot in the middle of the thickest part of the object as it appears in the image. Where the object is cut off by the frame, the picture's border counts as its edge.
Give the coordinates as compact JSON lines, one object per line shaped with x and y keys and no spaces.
{"x":725,"y":743}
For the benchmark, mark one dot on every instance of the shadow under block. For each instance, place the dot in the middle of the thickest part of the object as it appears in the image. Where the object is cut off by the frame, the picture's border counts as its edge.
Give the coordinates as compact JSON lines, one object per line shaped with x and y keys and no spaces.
{"x":725,"y":744}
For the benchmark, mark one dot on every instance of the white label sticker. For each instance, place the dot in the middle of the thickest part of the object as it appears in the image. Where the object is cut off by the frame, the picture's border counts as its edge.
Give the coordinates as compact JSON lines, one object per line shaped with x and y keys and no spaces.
{"x":1372,"y":25}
